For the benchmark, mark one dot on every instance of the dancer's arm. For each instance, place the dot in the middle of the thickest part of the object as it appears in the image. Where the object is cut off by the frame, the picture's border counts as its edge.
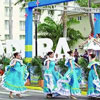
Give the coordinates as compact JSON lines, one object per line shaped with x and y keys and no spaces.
{"x":84,"y":42}
{"x":48,"y":64}
{"x":77,"y":65}
{"x":70,"y":61}
{"x":95,"y":70}
{"x":55,"y":69}
{"x":12,"y":64}
{"x":95,"y":41}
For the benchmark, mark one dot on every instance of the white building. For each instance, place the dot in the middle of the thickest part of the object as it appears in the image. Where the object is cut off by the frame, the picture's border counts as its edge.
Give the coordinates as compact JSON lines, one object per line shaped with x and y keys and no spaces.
{"x":18,"y":20}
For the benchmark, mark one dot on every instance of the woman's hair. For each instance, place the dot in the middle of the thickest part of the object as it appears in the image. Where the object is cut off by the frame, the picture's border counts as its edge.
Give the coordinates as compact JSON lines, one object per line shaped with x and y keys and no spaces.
{"x":92,"y":55}
{"x":70,"y":52}
{"x":15,"y":54}
{"x":49,"y":53}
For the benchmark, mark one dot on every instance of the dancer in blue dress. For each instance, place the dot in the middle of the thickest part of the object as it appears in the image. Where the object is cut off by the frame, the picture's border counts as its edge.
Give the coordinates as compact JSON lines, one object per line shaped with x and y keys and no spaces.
{"x":93,"y":80}
{"x":15,"y":76}
{"x":69,"y":84}
{"x":51,"y":76}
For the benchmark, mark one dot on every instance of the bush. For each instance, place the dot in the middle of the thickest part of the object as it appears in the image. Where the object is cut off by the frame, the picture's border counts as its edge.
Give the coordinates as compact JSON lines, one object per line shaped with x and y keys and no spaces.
{"x":38,"y":70}
{"x":84,"y":63}
{"x":61,"y":64}
{"x":4,"y":61}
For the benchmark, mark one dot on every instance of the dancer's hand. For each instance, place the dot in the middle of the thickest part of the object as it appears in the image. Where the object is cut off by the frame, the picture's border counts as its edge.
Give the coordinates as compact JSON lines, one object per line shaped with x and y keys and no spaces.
{"x":47,"y":67}
{"x":72,"y":69}
{"x":55,"y":69}
{"x":48,"y":64}
{"x":14,"y":62}
{"x":96,"y":74}
{"x":77,"y":65}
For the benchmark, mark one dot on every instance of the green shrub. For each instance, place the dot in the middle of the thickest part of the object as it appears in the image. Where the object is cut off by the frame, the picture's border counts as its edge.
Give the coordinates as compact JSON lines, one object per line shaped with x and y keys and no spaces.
{"x":4,"y":61}
{"x":61,"y":64}
{"x":84,"y":63}
{"x":38,"y":70}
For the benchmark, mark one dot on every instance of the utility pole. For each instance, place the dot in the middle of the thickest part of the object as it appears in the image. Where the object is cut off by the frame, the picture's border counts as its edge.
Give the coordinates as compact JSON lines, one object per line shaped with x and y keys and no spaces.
{"x":10,"y":20}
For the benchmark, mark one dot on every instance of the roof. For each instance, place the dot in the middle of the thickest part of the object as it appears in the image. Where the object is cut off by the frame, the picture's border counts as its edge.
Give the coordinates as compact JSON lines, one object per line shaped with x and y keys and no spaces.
{"x":96,"y":1}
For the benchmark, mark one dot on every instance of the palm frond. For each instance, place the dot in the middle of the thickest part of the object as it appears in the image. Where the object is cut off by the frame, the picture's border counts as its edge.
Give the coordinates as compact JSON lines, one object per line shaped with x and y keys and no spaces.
{"x":72,"y":21}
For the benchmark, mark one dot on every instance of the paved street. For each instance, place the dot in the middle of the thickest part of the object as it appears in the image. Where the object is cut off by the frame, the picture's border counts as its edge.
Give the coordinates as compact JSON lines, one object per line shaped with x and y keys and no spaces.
{"x":35,"y":95}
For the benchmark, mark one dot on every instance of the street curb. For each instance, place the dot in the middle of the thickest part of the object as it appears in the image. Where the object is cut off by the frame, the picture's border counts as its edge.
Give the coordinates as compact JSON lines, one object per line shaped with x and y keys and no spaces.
{"x":39,"y":89}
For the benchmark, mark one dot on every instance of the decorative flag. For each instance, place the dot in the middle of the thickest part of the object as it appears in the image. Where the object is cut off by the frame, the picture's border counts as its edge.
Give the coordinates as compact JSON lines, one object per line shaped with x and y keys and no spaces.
{"x":96,"y":24}
{"x":37,"y":2}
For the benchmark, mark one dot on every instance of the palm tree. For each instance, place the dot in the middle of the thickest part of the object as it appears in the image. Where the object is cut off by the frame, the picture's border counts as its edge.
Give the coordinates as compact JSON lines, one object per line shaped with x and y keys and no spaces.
{"x":23,"y":2}
{"x":64,"y":20}
{"x":53,"y":30}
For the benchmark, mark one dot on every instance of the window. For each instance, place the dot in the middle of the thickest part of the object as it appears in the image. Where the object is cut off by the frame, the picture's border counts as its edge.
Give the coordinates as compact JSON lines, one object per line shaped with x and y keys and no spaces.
{"x":7,"y":11}
{"x":6,"y":1}
{"x":22,"y":12}
{"x":22,"y":25}
{"x":79,"y":17}
{"x":7,"y":36}
{"x":71,"y":18}
{"x":6,"y":24}
{"x":22,"y":37}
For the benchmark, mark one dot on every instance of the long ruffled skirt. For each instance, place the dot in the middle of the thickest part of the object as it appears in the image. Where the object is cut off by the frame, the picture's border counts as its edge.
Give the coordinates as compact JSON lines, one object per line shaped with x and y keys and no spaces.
{"x":93,"y":84}
{"x":50,"y":81}
{"x":13,"y":80}
{"x":69,"y":84}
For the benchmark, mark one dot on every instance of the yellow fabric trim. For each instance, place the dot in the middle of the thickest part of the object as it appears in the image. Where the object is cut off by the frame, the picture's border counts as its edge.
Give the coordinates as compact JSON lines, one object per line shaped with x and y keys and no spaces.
{"x":14,"y":85}
{"x":28,"y":60}
{"x":75,"y":88}
{"x":91,"y":88}
{"x":68,"y":84}
{"x":28,"y":48}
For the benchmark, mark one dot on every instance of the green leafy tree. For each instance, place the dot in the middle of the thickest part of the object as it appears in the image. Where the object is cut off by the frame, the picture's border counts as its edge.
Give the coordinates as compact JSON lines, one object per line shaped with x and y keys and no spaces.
{"x":53,"y":30}
{"x":23,"y":2}
{"x":88,"y":3}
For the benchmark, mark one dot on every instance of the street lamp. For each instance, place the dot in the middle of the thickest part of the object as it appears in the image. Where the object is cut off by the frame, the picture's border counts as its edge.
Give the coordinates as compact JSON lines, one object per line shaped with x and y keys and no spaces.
{"x":37,"y":16}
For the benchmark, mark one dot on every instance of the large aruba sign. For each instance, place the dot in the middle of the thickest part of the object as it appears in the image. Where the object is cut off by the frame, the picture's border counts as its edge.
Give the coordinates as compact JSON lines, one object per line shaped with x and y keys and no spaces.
{"x":42,"y":50}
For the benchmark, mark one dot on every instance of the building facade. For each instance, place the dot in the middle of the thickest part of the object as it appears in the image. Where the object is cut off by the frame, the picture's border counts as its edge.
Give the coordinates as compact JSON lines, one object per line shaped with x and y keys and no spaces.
{"x":18,"y":20}
{"x":83,"y":26}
